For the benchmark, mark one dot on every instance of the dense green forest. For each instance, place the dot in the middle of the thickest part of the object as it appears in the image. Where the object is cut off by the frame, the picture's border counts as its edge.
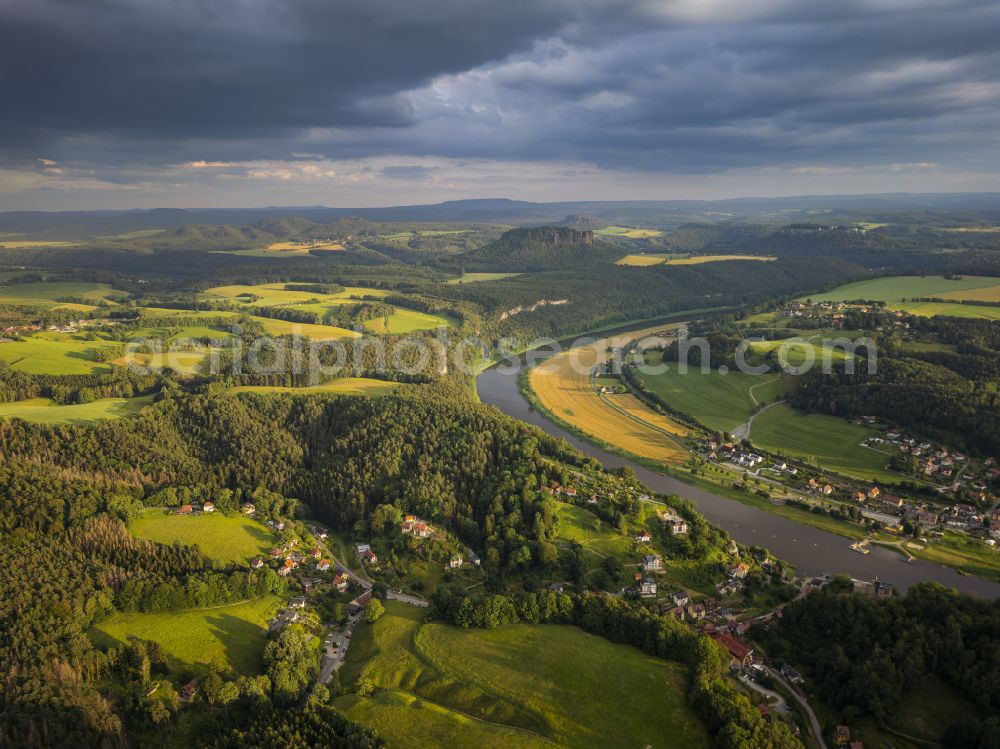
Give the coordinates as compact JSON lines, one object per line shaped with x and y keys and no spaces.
{"x":863,"y":655}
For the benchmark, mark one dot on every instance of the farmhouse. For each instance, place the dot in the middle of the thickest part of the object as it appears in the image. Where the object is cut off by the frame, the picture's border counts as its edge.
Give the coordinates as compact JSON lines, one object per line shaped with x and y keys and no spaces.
{"x":249,"y":509}
{"x":369,"y":556}
{"x":189,"y":690}
{"x":257,"y":563}
{"x":455,"y":561}
{"x":471,"y":557}
{"x":359,"y":603}
{"x":185,"y":510}
{"x":208,"y":507}
{"x":643,"y":538}
{"x":652,"y":563}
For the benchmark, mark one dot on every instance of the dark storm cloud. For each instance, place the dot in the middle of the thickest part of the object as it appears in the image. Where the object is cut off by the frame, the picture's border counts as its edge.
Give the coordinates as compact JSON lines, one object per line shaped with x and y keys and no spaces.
{"x":671,"y":85}
{"x":415,"y":171}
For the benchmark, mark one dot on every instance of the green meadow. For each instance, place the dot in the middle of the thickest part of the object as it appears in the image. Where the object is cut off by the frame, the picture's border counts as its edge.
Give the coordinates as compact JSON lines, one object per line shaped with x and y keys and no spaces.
{"x":55,"y":353}
{"x":626,"y":231}
{"x":476,"y":277}
{"x":514,"y":686}
{"x":402,"y":320}
{"x":719,"y":402}
{"x":600,"y":539}
{"x":896,"y":290}
{"x":223,"y":538}
{"x":230,"y":638}
{"x":833,"y":442}
{"x":45,"y":294}
{"x":47,"y":411}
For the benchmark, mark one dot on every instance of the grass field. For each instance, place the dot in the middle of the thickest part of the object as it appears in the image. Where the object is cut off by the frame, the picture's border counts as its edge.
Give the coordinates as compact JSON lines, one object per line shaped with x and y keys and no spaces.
{"x":896,"y":290}
{"x":54,"y":353}
{"x":984,"y":294}
{"x":574,"y":523}
{"x":835,"y":443}
{"x":45,"y":294}
{"x":699,"y":259}
{"x":562,"y":385}
{"x":930,"y":309}
{"x":224,"y":538}
{"x":343,"y":386}
{"x":630,"y":232}
{"x":402,"y":321}
{"x":47,"y":411}
{"x":231,"y":638}
{"x":514,"y":686}
{"x":475,"y":277}
{"x":719,"y":402}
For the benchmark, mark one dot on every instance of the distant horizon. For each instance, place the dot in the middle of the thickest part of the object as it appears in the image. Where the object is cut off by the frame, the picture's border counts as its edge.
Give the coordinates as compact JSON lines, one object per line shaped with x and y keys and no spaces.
{"x":561,"y":201}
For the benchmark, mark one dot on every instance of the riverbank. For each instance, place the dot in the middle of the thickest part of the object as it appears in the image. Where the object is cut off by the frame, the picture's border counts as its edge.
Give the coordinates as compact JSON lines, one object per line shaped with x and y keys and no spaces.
{"x":814,"y":548}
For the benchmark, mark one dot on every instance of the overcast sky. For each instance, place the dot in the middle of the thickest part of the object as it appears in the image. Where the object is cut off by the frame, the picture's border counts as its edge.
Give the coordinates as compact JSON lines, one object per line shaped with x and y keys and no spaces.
{"x":188,"y":103}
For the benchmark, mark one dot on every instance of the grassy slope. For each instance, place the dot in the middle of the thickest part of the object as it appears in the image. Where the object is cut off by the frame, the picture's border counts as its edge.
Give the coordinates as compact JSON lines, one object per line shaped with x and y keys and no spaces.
{"x":835,"y":442}
{"x":230,"y":637}
{"x":896,"y":288}
{"x":45,"y":294}
{"x":549,"y":681}
{"x":720,"y":402}
{"x":273,"y":294}
{"x":224,"y":538}
{"x":476,"y":277}
{"x":47,"y":411}
{"x":54,"y":353}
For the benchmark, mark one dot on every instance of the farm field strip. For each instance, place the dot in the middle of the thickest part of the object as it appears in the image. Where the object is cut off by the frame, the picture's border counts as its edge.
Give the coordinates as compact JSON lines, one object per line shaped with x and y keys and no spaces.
{"x":570,"y":396}
{"x":699,"y":259}
{"x":343,"y":386}
{"x":630,"y":232}
{"x":644,"y":261}
{"x":894,"y":289}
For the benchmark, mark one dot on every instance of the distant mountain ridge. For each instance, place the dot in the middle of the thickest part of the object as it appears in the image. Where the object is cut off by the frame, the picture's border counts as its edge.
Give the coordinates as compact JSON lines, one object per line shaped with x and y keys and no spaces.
{"x":511,"y":212}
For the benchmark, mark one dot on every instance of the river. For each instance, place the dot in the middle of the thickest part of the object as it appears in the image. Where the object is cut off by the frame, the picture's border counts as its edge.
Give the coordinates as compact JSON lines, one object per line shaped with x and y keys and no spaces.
{"x":811,"y":550}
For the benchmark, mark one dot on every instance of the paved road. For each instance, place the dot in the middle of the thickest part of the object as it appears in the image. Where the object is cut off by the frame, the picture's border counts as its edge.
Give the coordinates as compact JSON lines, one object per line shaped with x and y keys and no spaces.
{"x":412,"y":600}
{"x":813,"y":720}
{"x":781,"y":706}
{"x":743,"y":430}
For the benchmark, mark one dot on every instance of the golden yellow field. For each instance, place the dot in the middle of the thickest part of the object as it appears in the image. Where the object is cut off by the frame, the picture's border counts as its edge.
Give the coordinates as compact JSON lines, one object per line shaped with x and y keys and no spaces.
{"x":986,"y":294}
{"x":299,"y":247}
{"x":698,"y":259}
{"x":642,"y":260}
{"x":563,"y":385}
{"x":20,"y":243}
